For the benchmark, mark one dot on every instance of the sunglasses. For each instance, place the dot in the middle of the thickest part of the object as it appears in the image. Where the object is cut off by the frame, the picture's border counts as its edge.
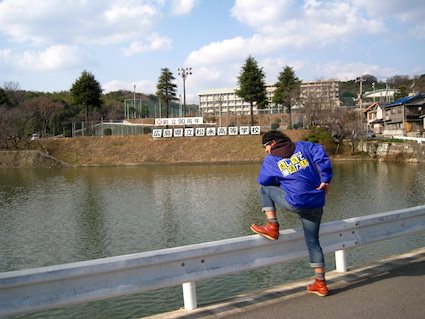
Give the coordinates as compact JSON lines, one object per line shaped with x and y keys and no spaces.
{"x":268,"y":143}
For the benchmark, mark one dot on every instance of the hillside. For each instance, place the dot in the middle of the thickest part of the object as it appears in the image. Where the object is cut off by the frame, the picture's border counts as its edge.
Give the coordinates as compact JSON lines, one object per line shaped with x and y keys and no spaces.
{"x":143,"y":149}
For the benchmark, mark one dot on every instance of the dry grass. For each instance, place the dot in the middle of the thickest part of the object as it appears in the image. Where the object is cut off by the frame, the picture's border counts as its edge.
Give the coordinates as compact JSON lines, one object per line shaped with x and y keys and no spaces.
{"x":143,"y":149}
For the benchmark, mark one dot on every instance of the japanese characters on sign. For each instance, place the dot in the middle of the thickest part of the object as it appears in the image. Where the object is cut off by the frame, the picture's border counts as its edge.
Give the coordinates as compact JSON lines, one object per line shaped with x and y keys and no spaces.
{"x":206,"y":131}
{"x":179,"y":121}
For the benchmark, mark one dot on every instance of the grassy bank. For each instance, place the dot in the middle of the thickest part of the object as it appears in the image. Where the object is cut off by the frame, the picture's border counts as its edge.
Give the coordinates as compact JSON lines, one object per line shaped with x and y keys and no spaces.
{"x":143,"y":149}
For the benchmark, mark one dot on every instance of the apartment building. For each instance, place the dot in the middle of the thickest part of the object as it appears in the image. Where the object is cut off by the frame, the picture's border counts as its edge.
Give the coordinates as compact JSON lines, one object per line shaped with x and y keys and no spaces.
{"x":327,"y":92}
{"x":225,"y":101}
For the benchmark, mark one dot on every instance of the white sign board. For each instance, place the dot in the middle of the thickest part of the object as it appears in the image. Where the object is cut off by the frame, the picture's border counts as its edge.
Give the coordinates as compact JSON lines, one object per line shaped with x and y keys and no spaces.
{"x":222,"y":131}
{"x":200,"y":131}
{"x":189,"y":131}
{"x":206,"y":131}
{"x":178,"y":132}
{"x":179,"y":121}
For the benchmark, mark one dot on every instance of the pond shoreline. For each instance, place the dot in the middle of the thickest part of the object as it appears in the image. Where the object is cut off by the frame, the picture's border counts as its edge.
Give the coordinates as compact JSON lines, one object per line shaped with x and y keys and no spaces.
{"x":145,"y":150}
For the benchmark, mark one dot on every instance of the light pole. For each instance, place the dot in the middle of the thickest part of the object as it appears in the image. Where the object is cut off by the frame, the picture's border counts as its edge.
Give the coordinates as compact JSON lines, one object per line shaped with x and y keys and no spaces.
{"x":134,"y":98}
{"x":184,"y":73}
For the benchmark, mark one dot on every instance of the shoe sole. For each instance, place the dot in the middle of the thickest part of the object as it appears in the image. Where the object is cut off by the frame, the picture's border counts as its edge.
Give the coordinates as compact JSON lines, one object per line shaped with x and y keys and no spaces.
{"x":317,"y":293}
{"x":264,"y":235}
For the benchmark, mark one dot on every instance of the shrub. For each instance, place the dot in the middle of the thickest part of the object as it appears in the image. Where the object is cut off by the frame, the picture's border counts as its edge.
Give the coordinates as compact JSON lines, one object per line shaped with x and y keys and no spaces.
{"x":322,"y":136}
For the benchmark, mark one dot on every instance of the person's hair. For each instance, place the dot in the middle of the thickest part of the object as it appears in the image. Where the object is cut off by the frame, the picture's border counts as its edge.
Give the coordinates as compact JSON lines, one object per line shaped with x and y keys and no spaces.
{"x":273,"y":136}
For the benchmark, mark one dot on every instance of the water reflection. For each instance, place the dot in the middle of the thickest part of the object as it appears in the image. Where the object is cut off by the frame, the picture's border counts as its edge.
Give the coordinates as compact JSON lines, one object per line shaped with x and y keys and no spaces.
{"x":372,"y":187}
{"x":55,"y":216}
{"x":98,"y":212}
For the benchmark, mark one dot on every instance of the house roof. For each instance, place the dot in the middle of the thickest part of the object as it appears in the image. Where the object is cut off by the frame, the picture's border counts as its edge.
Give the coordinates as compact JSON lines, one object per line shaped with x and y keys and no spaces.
{"x":405,"y":100}
{"x":371,"y":107}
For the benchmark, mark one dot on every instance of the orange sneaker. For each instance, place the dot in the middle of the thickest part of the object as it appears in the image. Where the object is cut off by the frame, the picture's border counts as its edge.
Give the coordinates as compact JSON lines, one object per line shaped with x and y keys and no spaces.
{"x":319,"y":288}
{"x":270,"y":230}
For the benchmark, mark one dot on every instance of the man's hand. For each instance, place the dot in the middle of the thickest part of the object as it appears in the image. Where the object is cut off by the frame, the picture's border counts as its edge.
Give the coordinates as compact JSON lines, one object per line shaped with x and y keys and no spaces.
{"x":323,"y":186}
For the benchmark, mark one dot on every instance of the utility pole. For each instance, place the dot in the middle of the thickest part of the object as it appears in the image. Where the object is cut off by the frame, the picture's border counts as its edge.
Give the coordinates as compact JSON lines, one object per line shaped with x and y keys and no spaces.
{"x":361,"y":80}
{"x":184,"y":73}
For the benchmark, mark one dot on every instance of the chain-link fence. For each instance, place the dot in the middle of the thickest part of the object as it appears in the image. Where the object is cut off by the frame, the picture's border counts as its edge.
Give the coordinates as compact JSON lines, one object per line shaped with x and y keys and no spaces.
{"x":132,"y":127}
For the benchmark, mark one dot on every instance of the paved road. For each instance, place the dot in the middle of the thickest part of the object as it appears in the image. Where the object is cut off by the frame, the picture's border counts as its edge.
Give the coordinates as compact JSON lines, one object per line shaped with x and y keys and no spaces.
{"x":391,"y":289}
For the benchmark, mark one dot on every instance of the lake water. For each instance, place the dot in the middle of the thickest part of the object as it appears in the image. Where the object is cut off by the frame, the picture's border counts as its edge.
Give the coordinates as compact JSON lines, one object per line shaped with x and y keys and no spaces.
{"x":56,"y":216}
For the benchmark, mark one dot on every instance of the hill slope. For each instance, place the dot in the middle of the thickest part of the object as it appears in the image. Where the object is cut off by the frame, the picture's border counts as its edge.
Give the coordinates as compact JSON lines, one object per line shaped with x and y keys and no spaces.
{"x":143,"y":149}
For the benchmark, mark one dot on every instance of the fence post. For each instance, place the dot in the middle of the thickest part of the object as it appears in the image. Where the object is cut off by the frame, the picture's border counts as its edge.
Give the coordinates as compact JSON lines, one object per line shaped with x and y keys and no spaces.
{"x":340,"y":261}
{"x":189,"y":295}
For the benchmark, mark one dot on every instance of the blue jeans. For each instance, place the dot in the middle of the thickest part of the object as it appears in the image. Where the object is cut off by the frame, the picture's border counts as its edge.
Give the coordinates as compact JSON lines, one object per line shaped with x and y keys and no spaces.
{"x":310,"y":219}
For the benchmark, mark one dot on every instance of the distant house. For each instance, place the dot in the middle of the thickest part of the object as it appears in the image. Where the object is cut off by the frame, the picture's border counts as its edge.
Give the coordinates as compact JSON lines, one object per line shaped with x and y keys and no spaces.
{"x":404,"y":116}
{"x":375,"y":117}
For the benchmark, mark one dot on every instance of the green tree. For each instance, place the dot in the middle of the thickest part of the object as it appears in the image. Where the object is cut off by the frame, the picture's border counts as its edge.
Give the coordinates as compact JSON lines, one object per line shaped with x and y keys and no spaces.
{"x":166,"y":88}
{"x":287,"y":90}
{"x":252,"y":88}
{"x":402,"y":91}
{"x":87,"y":91}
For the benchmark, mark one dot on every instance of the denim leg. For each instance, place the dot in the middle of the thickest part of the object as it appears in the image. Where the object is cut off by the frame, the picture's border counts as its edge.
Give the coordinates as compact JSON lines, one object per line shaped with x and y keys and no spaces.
{"x":310,"y":219}
{"x":271,"y":196}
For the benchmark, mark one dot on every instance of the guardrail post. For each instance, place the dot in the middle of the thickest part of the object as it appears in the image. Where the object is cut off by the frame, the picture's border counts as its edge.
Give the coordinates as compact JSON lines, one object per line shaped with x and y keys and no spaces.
{"x":189,"y":295}
{"x":340,"y":261}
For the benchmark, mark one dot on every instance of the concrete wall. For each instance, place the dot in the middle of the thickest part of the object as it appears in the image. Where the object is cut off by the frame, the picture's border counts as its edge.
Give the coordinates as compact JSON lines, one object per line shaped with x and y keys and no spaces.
{"x":407,"y":151}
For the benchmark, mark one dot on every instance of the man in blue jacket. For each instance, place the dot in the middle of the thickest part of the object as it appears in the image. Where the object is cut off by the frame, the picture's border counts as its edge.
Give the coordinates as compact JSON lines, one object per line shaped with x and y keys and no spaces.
{"x":295,"y":176}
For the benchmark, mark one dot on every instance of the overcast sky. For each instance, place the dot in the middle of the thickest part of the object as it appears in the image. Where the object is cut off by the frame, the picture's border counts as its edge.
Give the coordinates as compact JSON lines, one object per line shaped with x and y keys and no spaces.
{"x":46,"y":44}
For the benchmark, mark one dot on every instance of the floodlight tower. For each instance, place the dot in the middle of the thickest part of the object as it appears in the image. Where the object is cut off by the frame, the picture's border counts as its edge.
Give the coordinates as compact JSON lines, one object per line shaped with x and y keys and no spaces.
{"x":184,"y":73}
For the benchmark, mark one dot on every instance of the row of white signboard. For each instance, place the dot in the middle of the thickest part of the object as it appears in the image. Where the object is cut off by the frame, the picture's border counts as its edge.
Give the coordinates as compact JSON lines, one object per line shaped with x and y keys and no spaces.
{"x":179,"y":121}
{"x":206,"y":131}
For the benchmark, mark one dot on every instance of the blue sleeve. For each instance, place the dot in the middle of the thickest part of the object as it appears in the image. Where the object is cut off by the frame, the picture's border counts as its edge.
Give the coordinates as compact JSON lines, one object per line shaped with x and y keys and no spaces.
{"x":322,"y":161}
{"x":267,"y":175}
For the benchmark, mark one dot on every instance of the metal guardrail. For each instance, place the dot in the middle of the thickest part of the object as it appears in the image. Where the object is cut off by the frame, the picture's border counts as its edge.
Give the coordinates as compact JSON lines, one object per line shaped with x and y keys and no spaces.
{"x":419,"y":140}
{"x":50,"y":287}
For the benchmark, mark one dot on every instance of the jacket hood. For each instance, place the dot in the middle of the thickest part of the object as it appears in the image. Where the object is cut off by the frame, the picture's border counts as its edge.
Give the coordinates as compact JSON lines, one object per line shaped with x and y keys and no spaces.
{"x":283,"y":148}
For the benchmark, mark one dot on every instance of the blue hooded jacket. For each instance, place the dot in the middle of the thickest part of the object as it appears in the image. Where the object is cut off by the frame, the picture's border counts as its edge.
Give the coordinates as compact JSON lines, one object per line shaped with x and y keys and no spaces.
{"x":299,"y":175}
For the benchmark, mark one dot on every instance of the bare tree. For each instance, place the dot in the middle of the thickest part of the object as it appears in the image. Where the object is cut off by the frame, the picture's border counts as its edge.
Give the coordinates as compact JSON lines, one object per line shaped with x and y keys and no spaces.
{"x":43,"y":109}
{"x":15,"y":125}
{"x":315,"y":109}
{"x":13,"y":92}
{"x":343,"y":124}
{"x":346,"y":124}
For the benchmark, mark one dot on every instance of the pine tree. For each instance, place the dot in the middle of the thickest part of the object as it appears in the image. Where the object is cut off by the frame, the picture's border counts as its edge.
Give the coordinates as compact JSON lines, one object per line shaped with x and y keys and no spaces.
{"x":87,"y":91}
{"x":287,"y":90}
{"x":252,"y":88}
{"x":166,"y":88}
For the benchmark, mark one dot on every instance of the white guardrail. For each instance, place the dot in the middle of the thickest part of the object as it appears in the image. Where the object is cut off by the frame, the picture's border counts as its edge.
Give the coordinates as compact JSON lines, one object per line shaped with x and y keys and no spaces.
{"x":44,"y":288}
{"x":419,"y":140}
